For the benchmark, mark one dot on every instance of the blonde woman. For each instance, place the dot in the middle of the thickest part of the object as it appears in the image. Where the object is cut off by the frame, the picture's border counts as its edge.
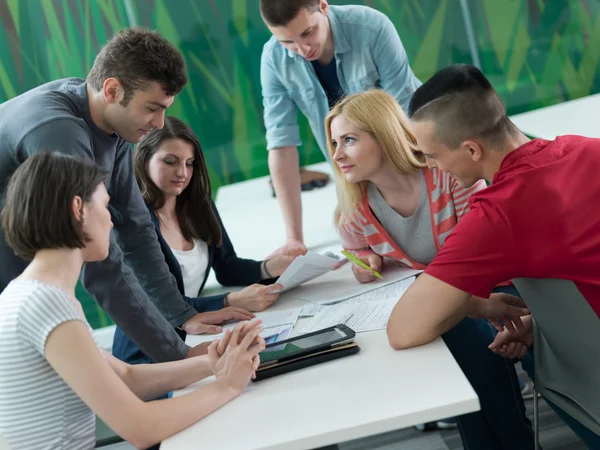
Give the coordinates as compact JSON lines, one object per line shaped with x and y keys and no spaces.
{"x":392,"y":205}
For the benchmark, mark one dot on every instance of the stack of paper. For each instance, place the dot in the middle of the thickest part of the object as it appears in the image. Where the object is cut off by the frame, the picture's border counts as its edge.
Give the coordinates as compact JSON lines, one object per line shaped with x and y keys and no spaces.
{"x":367,"y":316}
{"x":366,"y":312}
{"x":340,"y":285}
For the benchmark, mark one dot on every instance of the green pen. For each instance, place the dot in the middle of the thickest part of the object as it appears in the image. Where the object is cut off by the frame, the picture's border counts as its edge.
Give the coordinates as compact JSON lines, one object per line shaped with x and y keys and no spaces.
{"x":358,"y":262}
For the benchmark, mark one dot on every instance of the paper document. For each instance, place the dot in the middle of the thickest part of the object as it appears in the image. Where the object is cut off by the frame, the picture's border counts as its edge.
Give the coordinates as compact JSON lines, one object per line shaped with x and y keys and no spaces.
{"x":366,"y":316}
{"x":273,"y":322}
{"x":340,"y":284}
{"x":394,"y":290}
{"x":391,"y":291}
{"x":283,"y":334}
{"x":305,"y":268}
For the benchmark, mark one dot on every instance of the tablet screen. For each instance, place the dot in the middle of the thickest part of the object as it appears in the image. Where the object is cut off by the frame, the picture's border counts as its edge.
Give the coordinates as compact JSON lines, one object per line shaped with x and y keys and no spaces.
{"x":275,"y":351}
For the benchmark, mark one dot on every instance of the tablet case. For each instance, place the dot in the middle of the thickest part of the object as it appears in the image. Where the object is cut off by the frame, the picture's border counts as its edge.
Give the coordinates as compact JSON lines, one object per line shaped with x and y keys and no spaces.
{"x":306,"y":361}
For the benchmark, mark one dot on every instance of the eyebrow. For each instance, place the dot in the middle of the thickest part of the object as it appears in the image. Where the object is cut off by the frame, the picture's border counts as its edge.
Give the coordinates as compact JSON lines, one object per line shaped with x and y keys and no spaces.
{"x":304,"y":33}
{"x":177,"y":157}
{"x":160,"y":105}
{"x":344,"y":135}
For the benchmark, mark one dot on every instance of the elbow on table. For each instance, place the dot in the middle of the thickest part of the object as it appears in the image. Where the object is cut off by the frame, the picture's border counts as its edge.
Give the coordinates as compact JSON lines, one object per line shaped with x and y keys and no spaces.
{"x":139,"y":438}
{"x":402,"y":337}
{"x":138,"y":429}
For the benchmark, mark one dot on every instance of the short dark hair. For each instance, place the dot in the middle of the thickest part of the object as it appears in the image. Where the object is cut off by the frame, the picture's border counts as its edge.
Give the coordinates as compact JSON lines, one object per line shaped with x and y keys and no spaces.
{"x":278,"y":13}
{"x":37,"y":212}
{"x":462,"y":104}
{"x":196,"y":217}
{"x":137,"y":56}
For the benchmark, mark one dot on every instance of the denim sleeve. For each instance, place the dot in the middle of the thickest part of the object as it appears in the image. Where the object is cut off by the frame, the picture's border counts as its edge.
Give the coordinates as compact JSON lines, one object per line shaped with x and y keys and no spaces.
{"x":395,"y":75}
{"x":111,"y":282}
{"x":280,"y":114}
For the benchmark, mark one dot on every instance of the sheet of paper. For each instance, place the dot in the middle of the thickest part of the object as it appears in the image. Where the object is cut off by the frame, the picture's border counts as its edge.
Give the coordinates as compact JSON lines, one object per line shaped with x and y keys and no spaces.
{"x":340,"y":284}
{"x":310,"y":310}
{"x":305,"y":268}
{"x":273,"y":322}
{"x":393,"y":290}
{"x":361,"y":317}
{"x":282,"y":334}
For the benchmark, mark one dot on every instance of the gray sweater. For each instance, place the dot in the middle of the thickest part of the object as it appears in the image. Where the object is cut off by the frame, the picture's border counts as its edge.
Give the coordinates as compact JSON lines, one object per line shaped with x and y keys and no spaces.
{"x":133,"y":285}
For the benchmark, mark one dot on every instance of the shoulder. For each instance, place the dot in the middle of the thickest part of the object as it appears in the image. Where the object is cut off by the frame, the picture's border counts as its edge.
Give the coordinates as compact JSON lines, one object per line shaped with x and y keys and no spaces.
{"x":51,"y":109}
{"x":272,"y":49}
{"x":360,"y":16}
{"x":38,"y":303}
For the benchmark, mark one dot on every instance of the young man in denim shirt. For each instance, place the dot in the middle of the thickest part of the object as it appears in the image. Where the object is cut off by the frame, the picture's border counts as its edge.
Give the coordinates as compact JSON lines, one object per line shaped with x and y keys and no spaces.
{"x":317,"y":54}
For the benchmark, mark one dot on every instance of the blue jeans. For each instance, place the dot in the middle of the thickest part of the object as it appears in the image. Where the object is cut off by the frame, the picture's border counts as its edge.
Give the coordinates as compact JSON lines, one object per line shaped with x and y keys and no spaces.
{"x":501,"y":424}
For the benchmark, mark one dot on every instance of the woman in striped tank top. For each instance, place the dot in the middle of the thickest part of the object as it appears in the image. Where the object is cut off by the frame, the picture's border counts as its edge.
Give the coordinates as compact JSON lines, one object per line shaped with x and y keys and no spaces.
{"x":53,"y":376}
{"x":392,"y":206}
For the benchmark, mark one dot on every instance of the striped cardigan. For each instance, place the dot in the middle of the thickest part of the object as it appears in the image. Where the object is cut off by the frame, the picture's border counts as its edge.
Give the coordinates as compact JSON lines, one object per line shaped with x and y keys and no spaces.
{"x":363,"y":234}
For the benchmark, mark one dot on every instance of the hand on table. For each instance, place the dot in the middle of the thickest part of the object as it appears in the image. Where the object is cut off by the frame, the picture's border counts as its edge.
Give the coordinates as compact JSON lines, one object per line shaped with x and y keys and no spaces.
{"x":208,"y":322}
{"x":292,"y":246}
{"x":235,"y":358}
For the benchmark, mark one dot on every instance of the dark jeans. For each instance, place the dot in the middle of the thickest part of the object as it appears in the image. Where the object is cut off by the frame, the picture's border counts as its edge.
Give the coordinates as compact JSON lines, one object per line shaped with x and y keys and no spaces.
{"x":501,"y":424}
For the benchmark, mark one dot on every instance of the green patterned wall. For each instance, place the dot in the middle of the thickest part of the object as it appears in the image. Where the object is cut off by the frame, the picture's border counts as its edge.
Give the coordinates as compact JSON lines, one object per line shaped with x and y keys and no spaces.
{"x":536,"y":52}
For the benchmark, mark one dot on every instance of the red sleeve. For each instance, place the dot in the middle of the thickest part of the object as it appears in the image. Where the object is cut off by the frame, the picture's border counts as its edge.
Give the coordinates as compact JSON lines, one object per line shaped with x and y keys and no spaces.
{"x":479,"y":254}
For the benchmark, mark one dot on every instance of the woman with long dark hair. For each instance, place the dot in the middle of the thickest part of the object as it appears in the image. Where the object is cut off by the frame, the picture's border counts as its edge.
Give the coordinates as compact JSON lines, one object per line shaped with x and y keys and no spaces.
{"x":172,"y":175}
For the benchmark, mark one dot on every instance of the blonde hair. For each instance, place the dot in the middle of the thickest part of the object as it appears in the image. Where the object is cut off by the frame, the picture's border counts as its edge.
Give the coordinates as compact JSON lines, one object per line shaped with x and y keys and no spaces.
{"x":375,"y":112}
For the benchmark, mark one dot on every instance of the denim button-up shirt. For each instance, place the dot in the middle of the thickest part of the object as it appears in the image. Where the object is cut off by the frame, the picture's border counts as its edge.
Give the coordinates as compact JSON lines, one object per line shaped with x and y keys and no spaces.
{"x":369,"y":54}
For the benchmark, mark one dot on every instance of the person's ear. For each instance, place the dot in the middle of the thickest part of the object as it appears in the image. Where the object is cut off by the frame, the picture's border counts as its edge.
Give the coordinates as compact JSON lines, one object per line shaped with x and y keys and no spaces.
{"x":474,"y":150}
{"x":112,"y":90}
{"x":324,"y":7}
{"x":77,"y":209}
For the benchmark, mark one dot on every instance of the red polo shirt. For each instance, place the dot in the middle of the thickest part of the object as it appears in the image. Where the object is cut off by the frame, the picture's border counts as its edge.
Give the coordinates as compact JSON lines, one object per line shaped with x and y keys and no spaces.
{"x":540,"y":218}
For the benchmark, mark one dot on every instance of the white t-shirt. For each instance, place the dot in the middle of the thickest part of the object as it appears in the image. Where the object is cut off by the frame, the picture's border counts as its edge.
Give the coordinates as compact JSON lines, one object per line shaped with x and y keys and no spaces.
{"x":193,"y":265}
{"x":38,"y":410}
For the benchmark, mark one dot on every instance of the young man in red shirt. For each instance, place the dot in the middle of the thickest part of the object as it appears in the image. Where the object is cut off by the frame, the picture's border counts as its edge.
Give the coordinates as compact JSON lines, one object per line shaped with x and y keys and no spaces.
{"x":534,"y":220}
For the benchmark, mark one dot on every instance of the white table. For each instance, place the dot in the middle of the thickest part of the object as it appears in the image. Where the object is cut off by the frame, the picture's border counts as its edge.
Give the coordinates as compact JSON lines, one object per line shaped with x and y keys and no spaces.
{"x":372,"y":392}
{"x":578,"y":116}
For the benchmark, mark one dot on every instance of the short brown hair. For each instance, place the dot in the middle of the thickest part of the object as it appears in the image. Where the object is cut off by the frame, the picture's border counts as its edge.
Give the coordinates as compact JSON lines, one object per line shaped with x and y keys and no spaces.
{"x":278,"y":13}
{"x":195,"y":215}
{"x":136,"y":56}
{"x":37,"y":211}
{"x":463,"y":105}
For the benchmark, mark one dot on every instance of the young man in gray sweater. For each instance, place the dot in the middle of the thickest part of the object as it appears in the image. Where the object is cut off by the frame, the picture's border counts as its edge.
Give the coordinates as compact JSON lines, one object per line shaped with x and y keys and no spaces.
{"x":133,"y":81}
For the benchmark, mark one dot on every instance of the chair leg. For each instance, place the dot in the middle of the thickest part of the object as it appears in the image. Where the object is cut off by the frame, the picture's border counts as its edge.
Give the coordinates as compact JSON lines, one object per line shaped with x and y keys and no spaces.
{"x":536,"y":420}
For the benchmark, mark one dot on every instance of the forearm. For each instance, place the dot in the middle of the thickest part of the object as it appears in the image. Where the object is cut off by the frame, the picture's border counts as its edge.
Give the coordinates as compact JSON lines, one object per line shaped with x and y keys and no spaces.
{"x":427,"y":309}
{"x":149,"y":381}
{"x":285,"y":174}
{"x":206,"y":304}
{"x":164,"y":418}
{"x":116,"y":290}
{"x":148,"y":263}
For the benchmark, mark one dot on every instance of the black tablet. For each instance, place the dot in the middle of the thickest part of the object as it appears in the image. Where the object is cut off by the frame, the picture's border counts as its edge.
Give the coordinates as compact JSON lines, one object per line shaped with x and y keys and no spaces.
{"x":305,"y":344}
